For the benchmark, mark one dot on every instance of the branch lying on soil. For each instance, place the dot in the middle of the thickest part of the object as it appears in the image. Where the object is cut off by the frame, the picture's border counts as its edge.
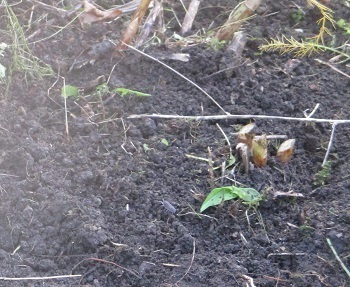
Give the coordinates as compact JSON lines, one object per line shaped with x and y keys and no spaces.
{"x":229,"y":116}
{"x":329,"y":242}
{"x":106,"y":262}
{"x":177,"y":73}
{"x":38,"y":278}
{"x":332,"y":67}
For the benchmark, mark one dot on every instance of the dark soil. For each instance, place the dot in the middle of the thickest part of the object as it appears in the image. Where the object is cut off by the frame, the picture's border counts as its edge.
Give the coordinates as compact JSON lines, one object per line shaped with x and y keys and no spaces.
{"x":90,"y":203}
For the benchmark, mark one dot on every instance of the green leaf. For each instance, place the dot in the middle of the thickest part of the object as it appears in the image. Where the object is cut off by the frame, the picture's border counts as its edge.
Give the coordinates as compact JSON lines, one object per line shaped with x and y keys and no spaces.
{"x":218,"y":195}
{"x":248,"y":195}
{"x":124,"y":92}
{"x":165,"y":142}
{"x":145,"y":147}
{"x":69,"y":91}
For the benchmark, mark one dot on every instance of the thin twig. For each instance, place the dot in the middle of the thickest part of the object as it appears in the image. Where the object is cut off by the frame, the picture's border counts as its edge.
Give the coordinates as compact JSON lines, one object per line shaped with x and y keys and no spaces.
{"x":65,"y":106}
{"x":228,"y":116}
{"x":312,"y":112}
{"x":330,"y":144}
{"x":226,"y":138}
{"x":332,"y":67}
{"x":9,"y":175}
{"x":337,"y":257}
{"x":107,"y":262}
{"x":192,"y":259}
{"x":179,"y":74}
{"x":38,"y":278}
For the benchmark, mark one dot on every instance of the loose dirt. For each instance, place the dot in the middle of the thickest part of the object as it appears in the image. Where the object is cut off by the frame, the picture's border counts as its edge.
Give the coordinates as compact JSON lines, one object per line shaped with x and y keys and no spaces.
{"x":90,"y":203}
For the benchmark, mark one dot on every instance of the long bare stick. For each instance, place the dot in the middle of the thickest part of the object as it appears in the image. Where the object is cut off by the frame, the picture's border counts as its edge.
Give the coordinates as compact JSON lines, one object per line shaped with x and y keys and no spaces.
{"x":332,"y":67}
{"x":38,"y":278}
{"x":177,"y":73}
{"x":107,"y":262}
{"x":228,"y":116}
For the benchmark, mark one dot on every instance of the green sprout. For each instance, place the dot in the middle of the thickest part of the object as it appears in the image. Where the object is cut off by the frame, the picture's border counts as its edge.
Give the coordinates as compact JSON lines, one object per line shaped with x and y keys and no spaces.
{"x":341,"y":23}
{"x":298,"y":15}
{"x":69,"y":91}
{"x":164,"y":141}
{"x":323,"y":176}
{"x":218,"y":195}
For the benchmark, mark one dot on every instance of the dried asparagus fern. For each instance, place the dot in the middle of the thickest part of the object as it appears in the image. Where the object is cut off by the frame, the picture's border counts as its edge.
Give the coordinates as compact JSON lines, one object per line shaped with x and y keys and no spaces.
{"x":312,"y":45}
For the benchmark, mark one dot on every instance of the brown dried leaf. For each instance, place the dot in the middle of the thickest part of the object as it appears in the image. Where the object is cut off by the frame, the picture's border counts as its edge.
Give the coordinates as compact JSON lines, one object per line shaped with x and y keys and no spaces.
{"x":285,"y":151}
{"x":246,"y":135}
{"x":134,"y":24}
{"x":259,"y":151}
{"x":92,"y":14}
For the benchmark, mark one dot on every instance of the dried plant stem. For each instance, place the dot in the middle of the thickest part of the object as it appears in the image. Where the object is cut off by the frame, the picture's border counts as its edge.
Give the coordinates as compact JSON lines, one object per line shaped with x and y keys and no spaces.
{"x":192,"y":259}
{"x":134,"y":24}
{"x":156,"y":11}
{"x":337,"y":257}
{"x":222,"y":117}
{"x":229,"y":116}
{"x":241,"y":13}
{"x":330,"y":145}
{"x":177,"y":73}
{"x":190,"y":15}
{"x":332,"y":67}
{"x":39,"y":278}
{"x":65,"y":106}
{"x":106,"y":262}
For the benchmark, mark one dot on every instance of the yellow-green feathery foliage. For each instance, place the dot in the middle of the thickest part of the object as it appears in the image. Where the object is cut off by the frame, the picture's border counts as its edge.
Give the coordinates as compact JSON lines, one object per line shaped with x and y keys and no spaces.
{"x":327,"y":16}
{"x":311,"y":45}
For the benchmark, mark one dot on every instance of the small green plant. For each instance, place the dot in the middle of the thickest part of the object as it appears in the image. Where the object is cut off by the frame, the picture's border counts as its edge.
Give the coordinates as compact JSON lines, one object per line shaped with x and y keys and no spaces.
{"x":164,"y":141}
{"x":69,"y":91}
{"x":298,"y":15}
{"x":249,"y":196}
{"x":102,"y":89}
{"x":127,"y":92}
{"x":216,"y":44}
{"x":341,"y":23}
{"x":323,"y":176}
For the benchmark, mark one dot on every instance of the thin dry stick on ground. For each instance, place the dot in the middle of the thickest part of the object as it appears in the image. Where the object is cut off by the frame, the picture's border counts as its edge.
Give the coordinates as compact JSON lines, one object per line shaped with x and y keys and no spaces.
{"x":38,"y":278}
{"x":263,"y":117}
{"x":177,"y":73}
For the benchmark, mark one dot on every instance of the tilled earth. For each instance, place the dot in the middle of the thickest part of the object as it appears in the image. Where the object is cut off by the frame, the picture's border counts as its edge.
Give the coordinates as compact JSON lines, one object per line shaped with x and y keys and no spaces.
{"x":90,"y":203}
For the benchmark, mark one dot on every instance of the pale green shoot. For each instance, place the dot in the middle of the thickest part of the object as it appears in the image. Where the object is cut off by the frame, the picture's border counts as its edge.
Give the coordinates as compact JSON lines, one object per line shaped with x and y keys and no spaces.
{"x":126,"y":92}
